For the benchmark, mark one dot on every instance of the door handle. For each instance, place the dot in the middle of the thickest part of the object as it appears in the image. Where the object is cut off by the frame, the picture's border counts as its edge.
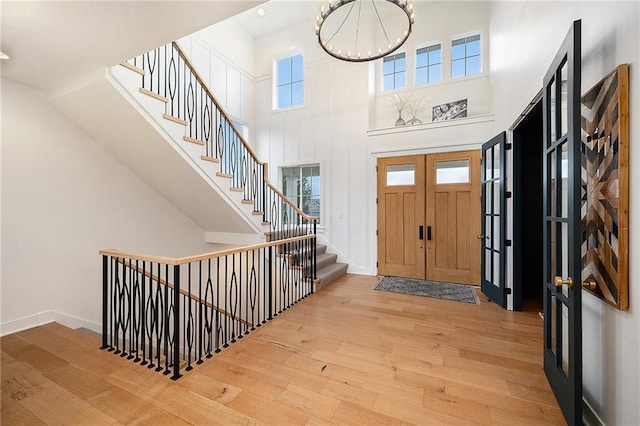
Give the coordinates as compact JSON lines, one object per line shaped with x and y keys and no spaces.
{"x":590,"y":284}
{"x":421,"y":232}
{"x":484,"y":237}
{"x":559,"y":281}
{"x":429,"y":233}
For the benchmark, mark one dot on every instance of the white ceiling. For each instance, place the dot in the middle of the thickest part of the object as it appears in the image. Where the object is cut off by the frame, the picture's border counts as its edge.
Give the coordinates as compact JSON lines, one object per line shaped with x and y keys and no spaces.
{"x":54,"y":43}
{"x":280,"y":14}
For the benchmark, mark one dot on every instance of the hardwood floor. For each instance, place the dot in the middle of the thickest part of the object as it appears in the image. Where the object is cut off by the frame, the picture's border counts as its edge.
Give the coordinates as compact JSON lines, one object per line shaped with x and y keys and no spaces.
{"x":346,"y":355}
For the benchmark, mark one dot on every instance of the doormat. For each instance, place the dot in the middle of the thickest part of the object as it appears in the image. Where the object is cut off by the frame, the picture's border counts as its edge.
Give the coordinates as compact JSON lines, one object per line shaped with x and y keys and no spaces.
{"x":435,"y":289}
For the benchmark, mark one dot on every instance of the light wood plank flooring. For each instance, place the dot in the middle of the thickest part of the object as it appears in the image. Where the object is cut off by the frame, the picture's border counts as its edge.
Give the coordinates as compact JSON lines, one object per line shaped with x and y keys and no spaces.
{"x":347,"y":355}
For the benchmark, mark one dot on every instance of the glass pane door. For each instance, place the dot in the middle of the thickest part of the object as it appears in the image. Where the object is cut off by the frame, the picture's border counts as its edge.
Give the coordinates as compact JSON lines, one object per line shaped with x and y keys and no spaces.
{"x":562,"y":226}
{"x":493,"y":220}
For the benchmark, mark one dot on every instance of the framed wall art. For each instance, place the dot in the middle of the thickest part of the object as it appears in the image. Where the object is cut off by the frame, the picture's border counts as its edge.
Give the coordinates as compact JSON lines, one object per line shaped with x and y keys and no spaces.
{"x":605,"y":189}
{"x":449,"y":111}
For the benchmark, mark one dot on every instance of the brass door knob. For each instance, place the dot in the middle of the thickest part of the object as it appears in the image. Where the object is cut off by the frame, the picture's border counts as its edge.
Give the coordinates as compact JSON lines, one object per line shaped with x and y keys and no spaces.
{"x":559,"y":281}
{"x":590,"y":284}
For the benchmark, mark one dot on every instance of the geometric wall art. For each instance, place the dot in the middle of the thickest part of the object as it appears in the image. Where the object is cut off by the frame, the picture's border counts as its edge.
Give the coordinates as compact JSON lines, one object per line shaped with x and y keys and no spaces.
{"x":605,"y":188}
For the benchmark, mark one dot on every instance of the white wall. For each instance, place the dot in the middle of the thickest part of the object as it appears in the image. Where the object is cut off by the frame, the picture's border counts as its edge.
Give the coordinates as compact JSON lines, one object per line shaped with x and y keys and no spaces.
{"x":342,"y":107}
{"x":224,"y":55}
{"x":524,"y":39}
{"x":439,"y":22}
{"x":63,"y":199}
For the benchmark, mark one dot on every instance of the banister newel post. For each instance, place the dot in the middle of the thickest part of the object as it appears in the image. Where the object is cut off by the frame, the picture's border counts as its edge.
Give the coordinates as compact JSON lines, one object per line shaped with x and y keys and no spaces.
{"x":314,"y":248}
{"x":176,"y":323}
{"x":271,"y":260}
{"x":105,"y":285}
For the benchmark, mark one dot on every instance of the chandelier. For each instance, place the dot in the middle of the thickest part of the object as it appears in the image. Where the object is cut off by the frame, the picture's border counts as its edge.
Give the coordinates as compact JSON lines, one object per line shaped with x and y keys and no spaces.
{"x":363,"y":30}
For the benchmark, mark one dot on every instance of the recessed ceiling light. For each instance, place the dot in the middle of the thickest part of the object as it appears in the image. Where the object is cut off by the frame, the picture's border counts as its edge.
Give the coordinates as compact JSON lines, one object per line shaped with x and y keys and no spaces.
{"x":4,"y":55}
{"x":261,"y":12}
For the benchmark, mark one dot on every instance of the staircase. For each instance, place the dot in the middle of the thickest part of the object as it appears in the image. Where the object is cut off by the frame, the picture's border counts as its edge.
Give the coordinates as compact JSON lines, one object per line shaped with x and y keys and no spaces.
{"x":159,"y":117}
{"x":327,"y":267}
{"x":221,"y":144}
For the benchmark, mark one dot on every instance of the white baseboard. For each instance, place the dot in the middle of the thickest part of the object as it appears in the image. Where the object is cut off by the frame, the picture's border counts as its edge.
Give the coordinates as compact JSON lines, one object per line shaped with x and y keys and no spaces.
{"x":361,"y":271}
{"x":47,"y":317}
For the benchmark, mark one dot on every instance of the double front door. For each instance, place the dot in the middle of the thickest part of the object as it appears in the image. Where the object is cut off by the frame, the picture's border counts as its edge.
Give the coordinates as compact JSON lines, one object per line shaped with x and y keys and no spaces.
{"x":429,"y":217}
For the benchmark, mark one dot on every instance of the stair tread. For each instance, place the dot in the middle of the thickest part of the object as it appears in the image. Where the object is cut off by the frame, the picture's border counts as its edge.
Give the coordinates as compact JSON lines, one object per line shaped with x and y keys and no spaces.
{"x":320,"y":256}
{"x":332,"y":267}
{"x":325,"y":259}
{"x":330,"y":273}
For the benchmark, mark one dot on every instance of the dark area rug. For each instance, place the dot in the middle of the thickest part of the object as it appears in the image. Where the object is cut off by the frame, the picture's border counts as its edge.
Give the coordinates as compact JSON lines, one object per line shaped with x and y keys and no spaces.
{"x":436,"y":289}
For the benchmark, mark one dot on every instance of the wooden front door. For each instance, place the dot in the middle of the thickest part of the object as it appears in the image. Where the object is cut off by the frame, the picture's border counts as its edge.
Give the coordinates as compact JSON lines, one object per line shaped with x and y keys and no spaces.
{"x":453,"y":217}
{"x":401,"y":197}
{"x":428,"y":217}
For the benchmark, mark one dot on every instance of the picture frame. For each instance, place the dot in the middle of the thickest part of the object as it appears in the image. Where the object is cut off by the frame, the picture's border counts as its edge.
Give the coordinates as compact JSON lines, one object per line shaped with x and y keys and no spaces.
{"x":605,"y":188}
{"x":449,"y":111}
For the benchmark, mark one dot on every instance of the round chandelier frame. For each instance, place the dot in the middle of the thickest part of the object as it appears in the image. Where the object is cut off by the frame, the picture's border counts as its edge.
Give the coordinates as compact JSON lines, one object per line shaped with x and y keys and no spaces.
{"x":345,"y":15}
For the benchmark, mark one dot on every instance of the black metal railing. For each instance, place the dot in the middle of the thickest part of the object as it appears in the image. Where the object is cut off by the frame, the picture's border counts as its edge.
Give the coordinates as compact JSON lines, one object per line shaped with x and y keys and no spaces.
{"x":169,"y":73}
{"x":172,"y":313}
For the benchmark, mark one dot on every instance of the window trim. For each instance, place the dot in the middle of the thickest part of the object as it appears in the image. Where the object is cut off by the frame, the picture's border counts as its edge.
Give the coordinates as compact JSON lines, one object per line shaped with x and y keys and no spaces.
{"x":415,"y":62}
{"x":406,"y":79}
{"x":274,"y":80}
{"x":482,"y":54}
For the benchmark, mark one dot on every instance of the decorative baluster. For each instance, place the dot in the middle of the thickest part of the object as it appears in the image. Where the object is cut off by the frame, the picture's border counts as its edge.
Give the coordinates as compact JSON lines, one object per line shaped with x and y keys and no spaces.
{"x":189,"y":321}
{"x":143,"y":314}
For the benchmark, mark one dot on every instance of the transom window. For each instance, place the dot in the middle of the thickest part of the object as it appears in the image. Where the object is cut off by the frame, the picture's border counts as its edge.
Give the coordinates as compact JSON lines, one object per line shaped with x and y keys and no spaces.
{"x":428,"y":64}
{"x":465,"y":56}
{"x":401,"y":174}
{"x":301,"y":184}
{"x":394,"y":72}
{"x":454,"y":171}
{"x":290,"y":82}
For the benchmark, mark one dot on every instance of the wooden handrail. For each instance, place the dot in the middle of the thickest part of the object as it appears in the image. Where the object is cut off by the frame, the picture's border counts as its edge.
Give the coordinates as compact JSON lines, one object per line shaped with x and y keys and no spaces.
{"x":182,"y":291}
{"x":138,"y":256}
{"x":206,"y":88}
{"x":213,"y":255}
{"x":296,"y":208}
